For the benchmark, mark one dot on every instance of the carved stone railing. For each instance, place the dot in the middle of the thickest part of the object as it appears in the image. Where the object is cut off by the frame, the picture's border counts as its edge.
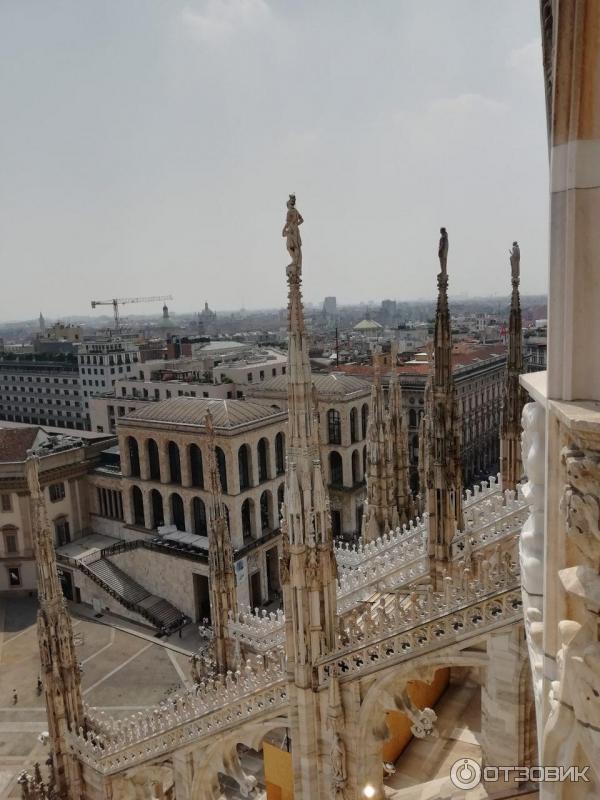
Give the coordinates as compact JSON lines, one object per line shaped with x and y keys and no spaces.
{"x":431,"y":621}
{"x":113,"y":745}
{"x":260,"y":632}
{"x":483,"y":507}
{"x":498,"y":523}
{"x":350,"y":557}
{"x":257,"y":630}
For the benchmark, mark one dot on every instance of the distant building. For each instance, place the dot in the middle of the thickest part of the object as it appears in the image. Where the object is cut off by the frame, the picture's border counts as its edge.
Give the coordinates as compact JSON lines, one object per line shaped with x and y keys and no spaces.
{"x":535,"y":345}
{"x":330,"y":306}
{"x":369,"y":327}
{"x":64,"y":463}
{"x":42,"y":393}
{"x":105,"y":359}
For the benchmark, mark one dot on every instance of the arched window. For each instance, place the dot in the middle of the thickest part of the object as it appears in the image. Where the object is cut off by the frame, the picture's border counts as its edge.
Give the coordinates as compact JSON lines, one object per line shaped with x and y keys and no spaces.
{"x":222,"y":466}
{"x":280,"y":454}
{"x":336,"y":469}
{"x":196,"y":470}
{"x":263,"y":460}
{"x":247,"y":519}
{"x":137,"y":501}
{"x":364,"y":413}
{"x":365,"y":460}
{"x":412,"y":418}
{"x":353,"y":425}
{"x":153,"y":459}
{"x":280,"y":499}
{"x":177,"y":512}
{"x":158,"y":513}
{"x":244,"y":467}
{"x":266,"y":510}
{"x":355,"y":468}
{"x":199,"y":516}
{"x":174,"y":463}
{"x":134,"y":456}
{"x":334,"y":426}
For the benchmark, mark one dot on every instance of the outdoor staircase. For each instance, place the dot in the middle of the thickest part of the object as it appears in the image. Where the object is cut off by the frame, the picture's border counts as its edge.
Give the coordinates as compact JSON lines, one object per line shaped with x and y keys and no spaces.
{"x":159,"y":612}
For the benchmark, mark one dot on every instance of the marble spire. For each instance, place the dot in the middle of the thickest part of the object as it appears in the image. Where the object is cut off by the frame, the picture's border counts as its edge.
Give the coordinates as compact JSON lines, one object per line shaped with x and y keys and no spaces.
{"x":379,"y":516}
{"x":60,"y":672}
{"x":223,"y":595}
{"x":443,"y":432}
{"x":308,"y":566}
{"x":513,"y":395}
{"x":403,"y":503}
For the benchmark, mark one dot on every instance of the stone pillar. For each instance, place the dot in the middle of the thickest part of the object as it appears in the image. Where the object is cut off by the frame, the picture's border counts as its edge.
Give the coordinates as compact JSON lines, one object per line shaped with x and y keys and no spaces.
{"x":167,"y":508}
{"x":76,"y":520}
{"x":257,"y":518}
{"x":187,"y":511}
{"x":163,"y":458}
{"x":500,"y":704}
{"x":148,"y":520}
{"x":124,"y":457}
{"x":144,"y":461}
{"x":183,"y":774}
{"x":184,"y":460}
{"x":127,"y":504}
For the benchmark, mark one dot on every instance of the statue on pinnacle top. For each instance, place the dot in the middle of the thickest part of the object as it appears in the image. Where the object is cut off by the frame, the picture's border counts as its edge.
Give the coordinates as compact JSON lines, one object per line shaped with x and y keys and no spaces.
{"x":292,"y":234}
{"x":443,"y":250}
{"x":515,"y":263}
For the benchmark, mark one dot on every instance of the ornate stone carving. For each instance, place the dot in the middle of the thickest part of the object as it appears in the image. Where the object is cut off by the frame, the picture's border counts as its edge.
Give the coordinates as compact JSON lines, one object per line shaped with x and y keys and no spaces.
{"x":581,"y":501}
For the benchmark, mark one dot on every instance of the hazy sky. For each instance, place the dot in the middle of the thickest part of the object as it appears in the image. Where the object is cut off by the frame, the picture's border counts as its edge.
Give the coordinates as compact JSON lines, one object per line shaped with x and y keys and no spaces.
{"x":148,"y":147}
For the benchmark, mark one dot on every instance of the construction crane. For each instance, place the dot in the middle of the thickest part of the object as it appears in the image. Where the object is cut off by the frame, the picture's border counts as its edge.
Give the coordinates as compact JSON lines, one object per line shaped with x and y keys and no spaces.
{"x":119,"y":301}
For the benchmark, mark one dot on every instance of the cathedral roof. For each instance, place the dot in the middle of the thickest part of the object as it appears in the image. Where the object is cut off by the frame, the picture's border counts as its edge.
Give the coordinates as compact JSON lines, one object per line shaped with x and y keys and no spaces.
{"x":227,"y":414}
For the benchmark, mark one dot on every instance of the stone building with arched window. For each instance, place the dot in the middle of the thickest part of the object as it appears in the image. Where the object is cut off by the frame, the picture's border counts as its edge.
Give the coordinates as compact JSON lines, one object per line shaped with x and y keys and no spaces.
{"x":164,"y":479}
{"x":343,"y":407}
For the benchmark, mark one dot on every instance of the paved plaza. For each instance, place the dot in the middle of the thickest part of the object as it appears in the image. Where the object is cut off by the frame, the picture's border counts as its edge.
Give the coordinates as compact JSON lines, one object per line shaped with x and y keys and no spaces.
{"x":122,"y":664}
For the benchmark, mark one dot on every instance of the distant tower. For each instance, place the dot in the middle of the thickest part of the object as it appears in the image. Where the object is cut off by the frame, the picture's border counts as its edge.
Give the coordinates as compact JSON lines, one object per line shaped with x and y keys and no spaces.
{"x":165,"y":312}
{"x":442,"y":447}
{"x":42,"y":324}
{"x":60,"y":667}
{"x":514,"y":399}
{"x":308,"y":566}
{"x":223,"y":596}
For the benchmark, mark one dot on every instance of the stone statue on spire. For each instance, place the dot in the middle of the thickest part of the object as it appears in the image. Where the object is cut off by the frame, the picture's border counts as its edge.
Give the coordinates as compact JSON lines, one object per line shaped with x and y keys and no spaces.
{"x":291,"y":233}
{"x":515,"y":263}
{"x":443,"y":250}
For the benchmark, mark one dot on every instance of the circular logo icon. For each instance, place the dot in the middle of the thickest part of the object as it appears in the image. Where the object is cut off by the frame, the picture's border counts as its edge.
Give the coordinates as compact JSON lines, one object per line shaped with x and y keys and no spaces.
{"x":465,"y":773}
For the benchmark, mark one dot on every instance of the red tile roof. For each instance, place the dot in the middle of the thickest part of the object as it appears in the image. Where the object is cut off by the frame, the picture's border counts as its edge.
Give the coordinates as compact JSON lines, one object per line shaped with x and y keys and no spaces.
{"x":15,"y":442}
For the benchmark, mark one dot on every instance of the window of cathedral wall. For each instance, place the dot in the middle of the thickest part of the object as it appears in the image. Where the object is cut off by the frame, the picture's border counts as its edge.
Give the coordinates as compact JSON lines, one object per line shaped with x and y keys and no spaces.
{"x":6,"y":502}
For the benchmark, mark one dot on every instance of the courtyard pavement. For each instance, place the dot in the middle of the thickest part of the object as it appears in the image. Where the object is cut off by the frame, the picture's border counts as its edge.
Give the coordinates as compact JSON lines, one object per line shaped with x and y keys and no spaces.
{"x":125,"y":669}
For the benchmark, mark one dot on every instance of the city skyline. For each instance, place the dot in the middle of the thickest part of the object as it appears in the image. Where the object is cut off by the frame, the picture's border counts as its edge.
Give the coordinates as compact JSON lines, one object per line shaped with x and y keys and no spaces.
{"x":147,"y":152}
